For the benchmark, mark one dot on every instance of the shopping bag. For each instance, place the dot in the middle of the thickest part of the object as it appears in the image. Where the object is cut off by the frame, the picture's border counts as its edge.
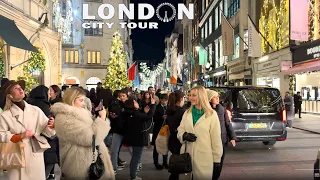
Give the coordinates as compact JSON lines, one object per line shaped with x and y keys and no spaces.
{"x":162,"y":140}
{"x":12,"y":155}
{"x":39,"y":144}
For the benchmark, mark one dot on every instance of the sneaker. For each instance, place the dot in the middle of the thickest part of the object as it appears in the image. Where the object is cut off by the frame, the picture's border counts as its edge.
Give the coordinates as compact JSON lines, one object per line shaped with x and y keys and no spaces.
{"x":165,"y":166}
{"x":120,"y":169}
{"x":115,"y":172}
{"x":136,"y":178}
{"x":139,"y":168}
{"x":51,"y":177}
{"x":121,"y":161}
{"x":120,"y":164}
{"x":5,"y":171}
{"x":158,"y":167}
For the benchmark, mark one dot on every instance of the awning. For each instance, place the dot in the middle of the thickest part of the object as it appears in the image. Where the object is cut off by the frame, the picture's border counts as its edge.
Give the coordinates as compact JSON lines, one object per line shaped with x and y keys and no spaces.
{"x":13,"y":36}
{"x":303,"y":67}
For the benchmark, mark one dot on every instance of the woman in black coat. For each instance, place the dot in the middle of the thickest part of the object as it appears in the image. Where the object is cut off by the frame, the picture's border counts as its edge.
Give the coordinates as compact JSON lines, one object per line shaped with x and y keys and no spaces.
{"x":39,"y":97}
{"x":175,"y":112}
{"x":135,"y":130}
{"x":227,"y":132}
{"x":159,"y":120}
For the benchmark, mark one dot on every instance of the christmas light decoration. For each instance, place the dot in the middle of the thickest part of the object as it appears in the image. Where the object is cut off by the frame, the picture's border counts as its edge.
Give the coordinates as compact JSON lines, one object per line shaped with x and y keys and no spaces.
{"x":147,"y":76}
{"x":36,"y":62}
{"x":63,"y":24}
{"x":116,"y":77}
{"x":274,"y":25}
{"x":2,"y":74}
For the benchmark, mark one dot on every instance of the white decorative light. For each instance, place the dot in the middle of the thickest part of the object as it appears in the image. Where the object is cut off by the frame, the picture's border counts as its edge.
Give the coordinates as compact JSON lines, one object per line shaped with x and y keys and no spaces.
{"x":147,"y":76}
{"x":62,"y":24}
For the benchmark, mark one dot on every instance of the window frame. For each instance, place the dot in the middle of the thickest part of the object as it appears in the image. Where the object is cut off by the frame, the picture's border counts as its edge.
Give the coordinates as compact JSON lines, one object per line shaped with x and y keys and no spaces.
{"x":74,"y":59}
{"x":92,"y":57}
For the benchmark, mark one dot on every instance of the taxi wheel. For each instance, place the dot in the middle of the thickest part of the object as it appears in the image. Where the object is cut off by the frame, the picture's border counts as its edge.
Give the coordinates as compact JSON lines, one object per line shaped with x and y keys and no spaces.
{"x":269,"y":142}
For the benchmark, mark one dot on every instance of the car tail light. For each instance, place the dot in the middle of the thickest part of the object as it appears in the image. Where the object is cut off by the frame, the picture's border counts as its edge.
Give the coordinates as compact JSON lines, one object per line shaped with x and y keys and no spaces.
{"x":284,"y":115}
{"x":282,"y":139}
{"x":229,"y":114}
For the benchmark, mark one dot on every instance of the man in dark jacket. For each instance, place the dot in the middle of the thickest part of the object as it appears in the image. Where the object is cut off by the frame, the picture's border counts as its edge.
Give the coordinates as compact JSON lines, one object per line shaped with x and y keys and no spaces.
{"x":39,"y":97}
{"x":115,"y":110}
{"x":227,"y":132}
{"x":159,"y":120}
{"x":297,"y":103}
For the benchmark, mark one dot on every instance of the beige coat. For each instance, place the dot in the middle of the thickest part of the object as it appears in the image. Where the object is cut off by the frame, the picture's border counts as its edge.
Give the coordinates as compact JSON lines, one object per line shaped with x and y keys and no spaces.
{"x":35,"y":120}
{"x":75,"y":128}
{"x":207,"y":149}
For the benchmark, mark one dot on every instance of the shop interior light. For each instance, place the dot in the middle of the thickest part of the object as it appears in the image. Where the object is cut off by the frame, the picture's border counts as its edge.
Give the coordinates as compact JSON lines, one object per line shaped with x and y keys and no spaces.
{"x":264,"y":58}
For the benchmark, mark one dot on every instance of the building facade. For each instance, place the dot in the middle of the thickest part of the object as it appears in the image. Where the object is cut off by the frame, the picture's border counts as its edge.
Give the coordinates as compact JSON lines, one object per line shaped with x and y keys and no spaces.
{"x":27,"y":16}
{"x":85,"y":56}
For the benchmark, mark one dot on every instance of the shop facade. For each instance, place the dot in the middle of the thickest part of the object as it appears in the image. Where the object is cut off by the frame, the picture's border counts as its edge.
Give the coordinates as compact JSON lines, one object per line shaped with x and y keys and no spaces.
{"x":306,"y":69}
{"x":240,"y":71}
{"x":267,"y":70}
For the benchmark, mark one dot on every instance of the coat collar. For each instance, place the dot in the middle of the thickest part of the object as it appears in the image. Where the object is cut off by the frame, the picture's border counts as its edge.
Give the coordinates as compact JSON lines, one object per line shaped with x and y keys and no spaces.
{"x":15,"y":110}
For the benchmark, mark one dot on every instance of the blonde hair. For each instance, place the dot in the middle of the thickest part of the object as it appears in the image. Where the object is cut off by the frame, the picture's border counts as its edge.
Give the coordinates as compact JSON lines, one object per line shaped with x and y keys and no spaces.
{"x":71,"y":94}
{"x":202,"y":100}
{"x":8,"y":104}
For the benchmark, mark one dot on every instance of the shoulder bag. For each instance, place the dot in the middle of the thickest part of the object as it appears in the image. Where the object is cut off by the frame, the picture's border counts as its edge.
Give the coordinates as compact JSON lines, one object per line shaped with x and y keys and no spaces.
{"x":180,"y":163}
{"x":96,"y":169}
{"x":38,"y":143}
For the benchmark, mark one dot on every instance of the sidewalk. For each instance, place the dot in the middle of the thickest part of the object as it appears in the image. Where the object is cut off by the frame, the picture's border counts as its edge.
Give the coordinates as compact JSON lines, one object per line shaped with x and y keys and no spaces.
{"x":308,"y":122}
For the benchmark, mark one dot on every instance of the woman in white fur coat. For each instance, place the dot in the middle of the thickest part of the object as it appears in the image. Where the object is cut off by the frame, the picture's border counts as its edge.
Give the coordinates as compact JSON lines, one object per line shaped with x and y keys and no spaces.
{"x":75,"y":127}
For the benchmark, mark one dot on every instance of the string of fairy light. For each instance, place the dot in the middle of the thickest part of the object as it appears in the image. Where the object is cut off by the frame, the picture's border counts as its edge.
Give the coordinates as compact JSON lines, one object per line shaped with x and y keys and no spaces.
{"x":147,"y":76}
{"x":63,"y":24}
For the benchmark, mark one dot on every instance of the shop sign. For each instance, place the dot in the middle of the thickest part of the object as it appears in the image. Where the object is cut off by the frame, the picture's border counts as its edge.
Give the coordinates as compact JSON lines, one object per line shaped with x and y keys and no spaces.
{"x":268,"y":65}
{"x":306,"y":52}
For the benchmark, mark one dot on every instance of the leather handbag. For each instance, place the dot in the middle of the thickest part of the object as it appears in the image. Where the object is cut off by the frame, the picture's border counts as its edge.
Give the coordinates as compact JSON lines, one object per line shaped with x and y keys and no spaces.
{"x":180,"y":163}
{"x":96,"y":169}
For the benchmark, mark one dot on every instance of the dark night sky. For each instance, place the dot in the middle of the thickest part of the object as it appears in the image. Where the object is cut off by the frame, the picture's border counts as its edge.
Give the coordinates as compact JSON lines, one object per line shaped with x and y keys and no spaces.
{"x":148,"y":44}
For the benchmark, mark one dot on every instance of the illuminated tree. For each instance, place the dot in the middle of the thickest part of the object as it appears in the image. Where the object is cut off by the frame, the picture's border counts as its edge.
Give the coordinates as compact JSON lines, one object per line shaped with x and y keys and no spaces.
{"x":37,"y":62}
{"x":1,"y":65}
{"x":116,"y":77}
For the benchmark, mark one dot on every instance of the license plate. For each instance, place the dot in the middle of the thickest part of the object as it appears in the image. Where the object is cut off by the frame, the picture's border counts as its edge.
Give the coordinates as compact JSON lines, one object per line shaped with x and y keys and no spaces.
{"x":257,"y":125}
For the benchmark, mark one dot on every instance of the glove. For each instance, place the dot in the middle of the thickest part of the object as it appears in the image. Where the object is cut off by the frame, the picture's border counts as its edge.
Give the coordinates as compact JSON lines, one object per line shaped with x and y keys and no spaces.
{"x":216,"y":166}
{"x":189,"y":137}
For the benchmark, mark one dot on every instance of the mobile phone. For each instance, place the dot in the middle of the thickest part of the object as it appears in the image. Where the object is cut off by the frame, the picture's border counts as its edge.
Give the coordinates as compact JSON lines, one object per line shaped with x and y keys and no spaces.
{"x":101,"y":105}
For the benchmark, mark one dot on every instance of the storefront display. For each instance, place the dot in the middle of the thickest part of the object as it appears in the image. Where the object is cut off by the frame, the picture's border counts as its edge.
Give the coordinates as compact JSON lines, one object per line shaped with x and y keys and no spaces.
{"x":267,"y":70}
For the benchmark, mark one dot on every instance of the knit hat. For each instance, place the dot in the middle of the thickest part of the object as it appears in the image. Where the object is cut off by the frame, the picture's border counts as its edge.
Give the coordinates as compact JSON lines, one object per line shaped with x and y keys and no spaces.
{"x":211,"y":94}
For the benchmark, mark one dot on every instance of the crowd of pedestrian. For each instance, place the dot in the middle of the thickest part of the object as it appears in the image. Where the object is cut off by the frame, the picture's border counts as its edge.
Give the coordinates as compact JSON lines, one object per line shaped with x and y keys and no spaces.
{"x":86,"y":126}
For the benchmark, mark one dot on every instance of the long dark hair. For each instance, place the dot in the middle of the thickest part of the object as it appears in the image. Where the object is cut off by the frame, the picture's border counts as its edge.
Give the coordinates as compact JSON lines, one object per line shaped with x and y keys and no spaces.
{"x":56,"y":90}
{"x":174,"y":98}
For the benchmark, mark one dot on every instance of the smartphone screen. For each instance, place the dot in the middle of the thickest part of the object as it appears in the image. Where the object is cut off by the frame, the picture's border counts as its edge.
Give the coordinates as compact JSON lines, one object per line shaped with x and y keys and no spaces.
{"x":101,"y":104}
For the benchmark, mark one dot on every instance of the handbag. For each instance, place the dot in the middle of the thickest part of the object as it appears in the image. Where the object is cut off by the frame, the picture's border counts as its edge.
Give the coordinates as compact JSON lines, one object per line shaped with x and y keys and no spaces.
{"x":38,"y":143}
{"x":180,"y":163}
{"x":12,"y":155}
{"x":96,"y":169}
{"x":162,"y":140}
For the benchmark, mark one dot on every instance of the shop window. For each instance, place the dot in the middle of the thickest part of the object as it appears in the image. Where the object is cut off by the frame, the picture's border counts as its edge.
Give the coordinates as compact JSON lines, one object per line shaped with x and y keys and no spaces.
{"x":72,"y":56}
{"x":94,"y":57}
{"x":233,"y":8}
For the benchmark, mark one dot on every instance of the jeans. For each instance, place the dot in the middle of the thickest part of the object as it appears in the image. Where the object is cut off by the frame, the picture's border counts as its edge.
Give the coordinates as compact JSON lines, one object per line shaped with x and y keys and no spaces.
{"x":108,"y":140}
{"x":49,"y":169}
{"x":217,"y":172}
{"x":135,"y":159}
{"x":115,"y":147}
{"x":156,"y":157}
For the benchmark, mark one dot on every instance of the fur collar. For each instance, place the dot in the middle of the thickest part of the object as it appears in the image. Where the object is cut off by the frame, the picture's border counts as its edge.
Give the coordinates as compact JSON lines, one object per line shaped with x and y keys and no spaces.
{"x":65,"y":109}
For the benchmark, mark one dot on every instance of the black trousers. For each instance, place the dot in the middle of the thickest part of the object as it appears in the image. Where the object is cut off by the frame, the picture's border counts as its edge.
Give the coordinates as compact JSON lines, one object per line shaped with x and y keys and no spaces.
{"x":175,"y":176}
{"x":156,"y":157}
{"x":298,"y":110}
{"x":216,"y":172}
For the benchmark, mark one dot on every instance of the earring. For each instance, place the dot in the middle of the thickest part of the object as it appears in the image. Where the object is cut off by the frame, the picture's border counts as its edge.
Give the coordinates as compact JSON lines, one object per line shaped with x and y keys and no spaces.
{"x":10,"y":96}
